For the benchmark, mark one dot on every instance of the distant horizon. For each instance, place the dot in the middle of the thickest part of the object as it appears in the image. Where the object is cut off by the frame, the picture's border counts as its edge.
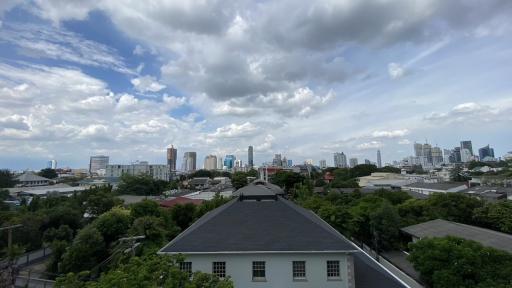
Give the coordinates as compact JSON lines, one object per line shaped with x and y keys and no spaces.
{"x":301,"y":78}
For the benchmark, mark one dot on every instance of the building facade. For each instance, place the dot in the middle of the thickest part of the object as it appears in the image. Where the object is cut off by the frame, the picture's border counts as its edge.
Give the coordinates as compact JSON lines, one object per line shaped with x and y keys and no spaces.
{"x":156,"y":171}
{"x":322,"y":164}
{"x":172,"y":156}
{"x":229,"y":161}
{"x":353,"y":162}
{"x":189,"y":161}
{"x":379,"y":159}
{"x":486,"y":152}
{"x":210,"y":162}
{"x":250,"y":157}
{"x":340,"y":160}
{"x":467,"y":145}
{"x":98,"y":163}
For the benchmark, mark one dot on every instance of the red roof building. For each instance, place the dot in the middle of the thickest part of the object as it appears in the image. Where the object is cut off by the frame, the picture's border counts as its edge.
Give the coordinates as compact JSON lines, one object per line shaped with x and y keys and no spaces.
{"x":179,"y":200}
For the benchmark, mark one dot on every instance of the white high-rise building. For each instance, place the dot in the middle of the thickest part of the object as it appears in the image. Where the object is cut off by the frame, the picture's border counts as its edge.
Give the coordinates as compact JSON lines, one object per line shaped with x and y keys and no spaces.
{"x":238,"y":163}
{"x":340,"y":160}
{"x":189,"y":161}
{"x":210,"y":162}
{"x":323,"y":164}
{"x":379,"y":159}
{"x":465,"y":155}
{"x":97,"y":163}
{"x":353,"y":162}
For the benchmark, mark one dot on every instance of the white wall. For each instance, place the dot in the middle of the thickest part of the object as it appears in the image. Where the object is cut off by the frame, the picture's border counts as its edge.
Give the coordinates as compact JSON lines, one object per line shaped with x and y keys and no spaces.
{"x":278,"y":268}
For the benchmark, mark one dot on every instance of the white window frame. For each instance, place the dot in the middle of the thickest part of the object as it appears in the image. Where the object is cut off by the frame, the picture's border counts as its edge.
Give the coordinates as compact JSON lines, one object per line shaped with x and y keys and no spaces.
{"x":259,"y":266}
{"x":219,"y":269}
{"x":299,"y":270}
{"x":333,"y":270}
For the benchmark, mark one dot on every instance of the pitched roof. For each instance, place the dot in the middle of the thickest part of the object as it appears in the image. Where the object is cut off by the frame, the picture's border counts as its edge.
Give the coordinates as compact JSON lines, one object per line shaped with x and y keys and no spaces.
{"x":259,"y":188}
{"x":179,"y":200}
{"x":442,"y":228}
{"x":436,"y":186}
{"x":30,"y":176}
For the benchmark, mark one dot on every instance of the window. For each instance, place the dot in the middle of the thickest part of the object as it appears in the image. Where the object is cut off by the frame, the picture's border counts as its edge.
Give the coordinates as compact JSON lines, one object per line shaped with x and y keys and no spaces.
{"x":333,"y":269}
{"x":258,"y":270}
{"x":186,"y":267}
{"x":219,"y":269}
{"x":299,"y":269}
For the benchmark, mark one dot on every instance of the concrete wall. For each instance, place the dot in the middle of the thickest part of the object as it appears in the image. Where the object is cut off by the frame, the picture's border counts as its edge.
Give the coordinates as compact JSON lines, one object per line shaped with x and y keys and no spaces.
{"x":278,"y":268}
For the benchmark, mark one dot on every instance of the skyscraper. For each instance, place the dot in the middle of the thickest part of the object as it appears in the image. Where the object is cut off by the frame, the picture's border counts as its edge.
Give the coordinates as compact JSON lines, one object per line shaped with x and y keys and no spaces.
{"x":277,"y":161}
{"x":52,"y":164}
{"x":427,"y":154}
{"x":340,"y":160}
{"x":238,"y":163}
{"x":97,"y":163}
{"x":189,"y":161}
{"x":172,"y":155}
{"x":379,"y":159}
{"x":467,"y":145}
{"x":323,"y":164}
{"x":457,"y":155}
{"x":486,"y":151}
{"x":229,"y":161}
{"x":418,"y":149}
{"x":210,"y":162}
{"x":353,"y":162}
{"x":250,"y":157}
{"x":437,"y":156}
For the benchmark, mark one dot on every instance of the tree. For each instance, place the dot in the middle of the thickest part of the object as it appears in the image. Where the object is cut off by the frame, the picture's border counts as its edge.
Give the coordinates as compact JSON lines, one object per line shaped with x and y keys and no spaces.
{"x":87,"y":250}
{"x":362,"y":170}
{"x":64,"y":233}
{"x":143,"y":185}
{"x":183,"y":215}
{"x":456,"y":207}
{"x":340,"y":183}
{"x":7,"y":179}
{"x":394,"y":197}
{"x":497,"y":216}
{"x":48,"y":173}
{"x":151,"y":227}
{"x":148,"y":271}
{"x":389,"y":169}
{"x":385,"y":224}
{"x":457,"y":174}
{"x":113,"y":224}
{"x":286,"y":179}
{"x":99,"y":200}
{"x":473,"y":164}
{"x":454,"y":262}
{"x":239,"y":179}
{"x":145,"y":208}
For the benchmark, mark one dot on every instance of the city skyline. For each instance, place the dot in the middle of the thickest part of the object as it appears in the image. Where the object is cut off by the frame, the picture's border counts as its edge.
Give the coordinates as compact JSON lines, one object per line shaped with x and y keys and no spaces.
{"x":93,"y":79}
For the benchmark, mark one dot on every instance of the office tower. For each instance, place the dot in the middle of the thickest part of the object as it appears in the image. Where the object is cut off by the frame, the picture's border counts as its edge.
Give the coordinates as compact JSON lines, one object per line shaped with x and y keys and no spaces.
{"x":437,"y":156}
{"x":210,"y":162}
{"x":485,"y":152}
{"x":238,"y":163}
{"x":323,"y":164}
{"x":465,"y":155}
{"x":220,"y":164}
{"x":97,"y":163}
{"x":368,"y":162}
{"x":52,"y":164}
{"x":340,"y":160}
{"x":229,"y":161}
{"x":379,"y":159}
{"x":189,"y":161}
{"x":353,"y":162}
{"x":250,"y":157}
{"x":277,"y":161}
{"x":457,"y":155}
{"x":172,"y":155}
{"x":418,"y":149}
{"x":308,"y":162}
{"x":467,"y":145}
{"x":289,"y":163}
{"x":427,"y":154}
{"x":448,"y":156}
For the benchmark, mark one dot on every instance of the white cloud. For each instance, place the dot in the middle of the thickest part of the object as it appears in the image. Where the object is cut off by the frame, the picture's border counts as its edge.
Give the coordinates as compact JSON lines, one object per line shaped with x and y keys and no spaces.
{"x":404,"y":142}
{"x":395,"y":70}
{"x":369,"y":145}
{"x":235,"y":130}
{"x":138,"y":50}
{"x":147,"y":84}
{"x":390,"y":134}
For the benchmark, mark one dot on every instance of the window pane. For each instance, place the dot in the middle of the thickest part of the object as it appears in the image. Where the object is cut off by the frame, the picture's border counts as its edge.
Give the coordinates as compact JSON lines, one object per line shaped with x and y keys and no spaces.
{"x":186,"y":267}
{"x":333,"y":269}
{"x":258,"y":269}
{"x":219,"y":269}
{"x":299,"y":269}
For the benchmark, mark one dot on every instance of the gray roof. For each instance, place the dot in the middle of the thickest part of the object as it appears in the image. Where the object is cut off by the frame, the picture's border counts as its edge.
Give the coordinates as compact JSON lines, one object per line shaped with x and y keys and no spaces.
{"x":199,"y":181}
{"x":30,"y":176}
{"x":436,"y":186}
{"x":442,"y":228}
{"x":259,"y":188}
{"x":274,"y":226}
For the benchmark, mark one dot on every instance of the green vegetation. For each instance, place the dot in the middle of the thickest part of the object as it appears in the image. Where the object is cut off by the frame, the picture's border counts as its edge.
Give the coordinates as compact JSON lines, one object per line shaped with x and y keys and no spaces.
{"x":143,"y":185}
{"x":6,"y":179}
{"x":453,"y":262}
{"x":48,"y":173}
{"x":209,"y":173}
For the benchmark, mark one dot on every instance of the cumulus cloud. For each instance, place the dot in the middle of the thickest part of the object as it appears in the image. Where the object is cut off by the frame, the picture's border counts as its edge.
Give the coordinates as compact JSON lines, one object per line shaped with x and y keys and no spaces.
{"x":472,"y":112}
{"x":235,"y":130}
{"x":147,"y":84}
{"x":395,"y":71}
{"x":369,"y":145}
{"x":390,"y":134}
{"x":404,"y":142}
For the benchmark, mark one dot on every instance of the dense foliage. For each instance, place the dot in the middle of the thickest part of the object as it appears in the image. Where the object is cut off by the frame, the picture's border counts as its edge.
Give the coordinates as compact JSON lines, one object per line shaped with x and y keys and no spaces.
{"x":143,"y":185}
{"x":7,"y":179}
{"x":48,"y":173}
{"x":451,"y":262}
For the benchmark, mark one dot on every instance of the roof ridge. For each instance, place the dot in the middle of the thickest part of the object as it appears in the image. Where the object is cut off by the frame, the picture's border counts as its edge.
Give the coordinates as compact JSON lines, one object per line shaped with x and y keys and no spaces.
{"x":473,"y":227}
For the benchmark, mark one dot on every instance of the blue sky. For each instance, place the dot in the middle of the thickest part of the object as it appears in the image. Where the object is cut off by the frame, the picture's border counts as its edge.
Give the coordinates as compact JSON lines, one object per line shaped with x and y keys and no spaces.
{"x":127,"y":79}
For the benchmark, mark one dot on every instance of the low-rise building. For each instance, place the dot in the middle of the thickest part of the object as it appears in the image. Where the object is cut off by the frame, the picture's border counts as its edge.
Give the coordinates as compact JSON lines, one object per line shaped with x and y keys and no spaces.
{"x":429,"y":188}
{"x":261,"y":239}
{"x":157,"y":171}
{"x":489,"y":193}
{"x":199,"y":183}
{"x":29,"y":178}
{"x":180,"y":200}
{"x":442,"y":228}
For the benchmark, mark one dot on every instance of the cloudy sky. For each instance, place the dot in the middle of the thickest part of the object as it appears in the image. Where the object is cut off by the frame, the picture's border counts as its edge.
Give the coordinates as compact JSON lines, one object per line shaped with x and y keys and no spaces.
{"x":302,"y":78}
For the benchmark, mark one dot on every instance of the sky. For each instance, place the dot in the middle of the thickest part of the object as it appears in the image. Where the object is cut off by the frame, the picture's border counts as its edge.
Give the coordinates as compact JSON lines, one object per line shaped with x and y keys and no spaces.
{"x":301,"y":78}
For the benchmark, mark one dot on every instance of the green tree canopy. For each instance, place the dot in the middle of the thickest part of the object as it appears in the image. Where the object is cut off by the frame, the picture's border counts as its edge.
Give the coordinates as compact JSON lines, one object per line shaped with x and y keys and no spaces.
{"x":7,"y":179}
{"x":239,"y":179}
{"x":145,"y":208}
{"x":113,"y":224}
{"x":183,"y":215}
{"x":143,"y":185}
{"x":287,"y":179}
{"x":48,"y":173}
{"x":87,"y":250}
{"x":453,"y":262}
{"x":497,"y":216}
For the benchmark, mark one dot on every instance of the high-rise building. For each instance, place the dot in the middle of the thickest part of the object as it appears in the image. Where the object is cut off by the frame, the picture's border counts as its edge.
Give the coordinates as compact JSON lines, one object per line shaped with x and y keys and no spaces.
{"x":98,"y":162}
{"x":250,"y":157}
{"x":156,"y":171}
{"x":189,"y":161}
{"x":418,"y":149}
{"x":465,"y":155}
{"x":220,"y":164}
{"x":229,"y":161}
{"x":289,"y":162}
{"x":457,"y":158}
{"x":427,"y":154}
{"x":238,"y":163}
{"x":467,"y":145}
{"x":210,"y":162}
{"x":52,"y":164}
{"x":379,"y":159}
{"x":448,"y":156}
{"x":340,"y":160}
{"x":485,"y":152}
{"x":172,"y":155}
{"x":353,"y":162}
{"x":368,"y":162}
{"x":322,"y":164}
{"x":277,"y":161}
{"x":437,"y":156}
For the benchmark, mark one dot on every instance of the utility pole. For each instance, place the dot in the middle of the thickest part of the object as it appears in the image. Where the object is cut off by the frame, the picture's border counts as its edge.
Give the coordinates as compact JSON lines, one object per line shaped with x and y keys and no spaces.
{"x":9,"y":237}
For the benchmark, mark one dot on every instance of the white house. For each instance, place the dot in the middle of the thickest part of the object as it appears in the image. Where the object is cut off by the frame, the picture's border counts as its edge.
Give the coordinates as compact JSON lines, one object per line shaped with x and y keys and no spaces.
{"x":260,"y":239}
